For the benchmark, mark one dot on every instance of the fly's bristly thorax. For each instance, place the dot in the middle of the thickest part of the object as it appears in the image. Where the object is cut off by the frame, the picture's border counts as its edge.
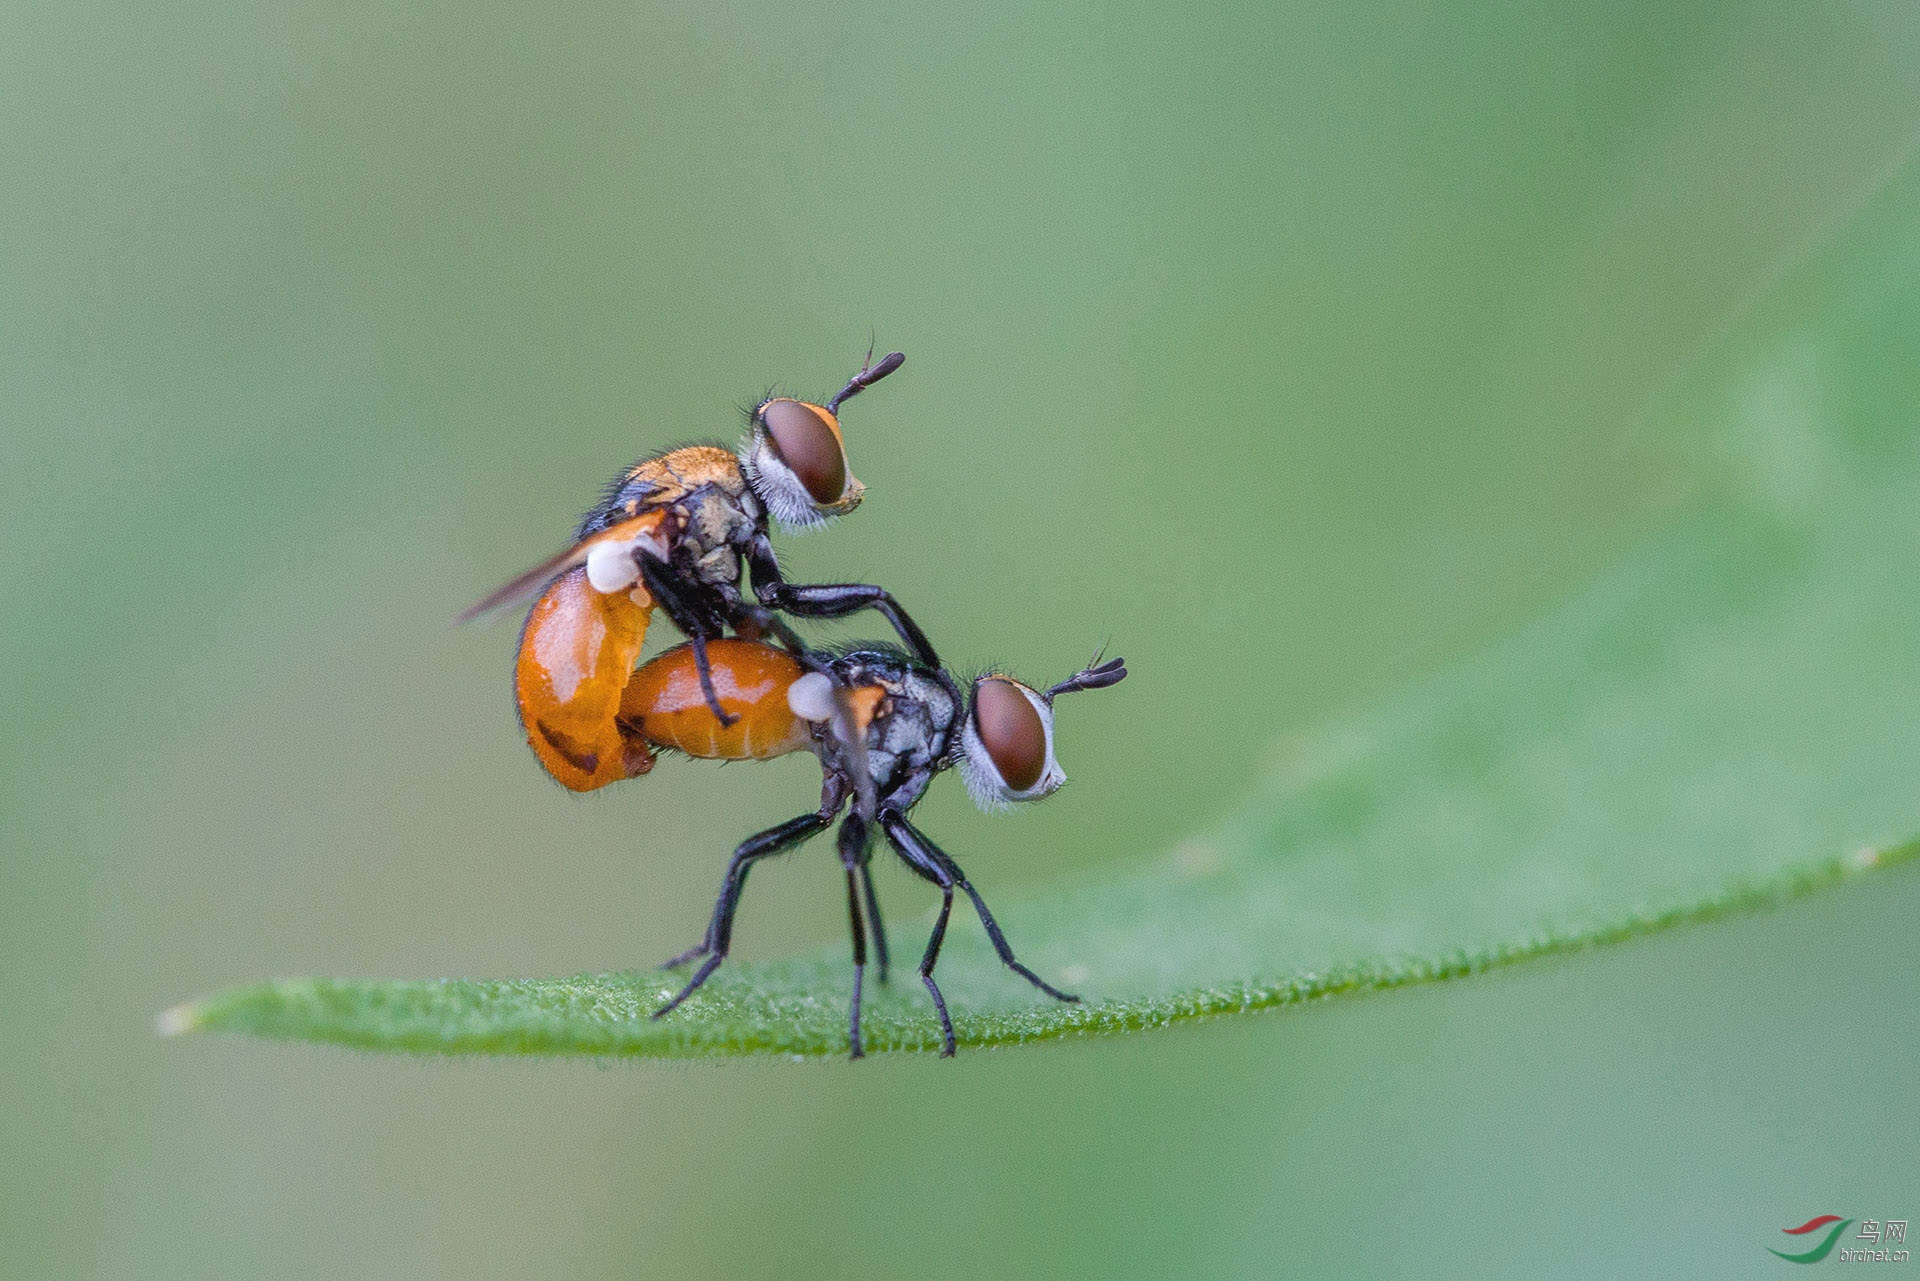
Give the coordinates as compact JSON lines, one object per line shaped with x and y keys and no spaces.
{"x":1006,"y":745}
{"x":796,"y":463}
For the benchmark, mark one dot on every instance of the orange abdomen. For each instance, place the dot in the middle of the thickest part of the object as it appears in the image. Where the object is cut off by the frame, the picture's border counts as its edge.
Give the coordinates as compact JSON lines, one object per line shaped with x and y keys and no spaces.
{"x":576,"y":655}
{"x":664,"y":705}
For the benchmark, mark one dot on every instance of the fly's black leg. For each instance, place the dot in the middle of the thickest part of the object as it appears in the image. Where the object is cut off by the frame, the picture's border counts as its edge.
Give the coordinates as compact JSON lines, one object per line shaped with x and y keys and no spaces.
{"x":693,"y":953}
{"x":836,"y":600}
{"x":873,"y":917}
{"x":938,"y":875}
{"x":656,"y":576}
{"x":742,"y":614}
{"x":853,"y":848}
{"x":859,"y":967}
{"x":900,"y":832}
{"x":720,"y":929}
{"x":659,"y":579}
{"x":830,"y":600}
{"x":833,"y":795}
{"x":705,"y":669}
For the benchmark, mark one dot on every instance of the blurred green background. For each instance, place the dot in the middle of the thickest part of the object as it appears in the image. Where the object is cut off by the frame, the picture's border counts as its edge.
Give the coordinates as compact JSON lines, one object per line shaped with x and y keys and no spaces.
{"x":1296,"y":349}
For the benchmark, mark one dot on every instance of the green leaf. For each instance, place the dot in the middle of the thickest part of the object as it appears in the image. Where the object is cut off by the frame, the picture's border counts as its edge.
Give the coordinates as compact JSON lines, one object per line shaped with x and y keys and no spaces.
{"x":1728,"y":718}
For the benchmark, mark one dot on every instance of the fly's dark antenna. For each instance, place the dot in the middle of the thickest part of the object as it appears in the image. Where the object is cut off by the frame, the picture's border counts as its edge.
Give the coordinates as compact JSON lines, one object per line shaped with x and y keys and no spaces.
{"x":1095,"y":675}
{"x":869,"y":375}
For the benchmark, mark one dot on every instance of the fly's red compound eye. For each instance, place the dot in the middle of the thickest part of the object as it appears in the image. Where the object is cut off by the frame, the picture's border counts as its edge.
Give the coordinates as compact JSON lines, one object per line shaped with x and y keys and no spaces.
{"x":809,"y":446}
{"x":1011,"y":730}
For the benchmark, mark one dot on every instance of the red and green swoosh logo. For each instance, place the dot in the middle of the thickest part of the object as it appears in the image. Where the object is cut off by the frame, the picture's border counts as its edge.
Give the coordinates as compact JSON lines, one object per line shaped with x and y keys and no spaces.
{"x":1814,"y":1224}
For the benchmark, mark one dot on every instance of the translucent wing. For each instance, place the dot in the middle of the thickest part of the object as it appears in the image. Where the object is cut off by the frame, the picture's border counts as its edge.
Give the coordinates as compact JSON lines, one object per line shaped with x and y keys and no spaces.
{"x":526,"y":586}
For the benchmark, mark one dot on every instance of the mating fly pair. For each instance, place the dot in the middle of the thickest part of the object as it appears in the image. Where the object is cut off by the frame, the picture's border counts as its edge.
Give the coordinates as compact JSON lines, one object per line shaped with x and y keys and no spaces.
{"x":674,"y":531}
